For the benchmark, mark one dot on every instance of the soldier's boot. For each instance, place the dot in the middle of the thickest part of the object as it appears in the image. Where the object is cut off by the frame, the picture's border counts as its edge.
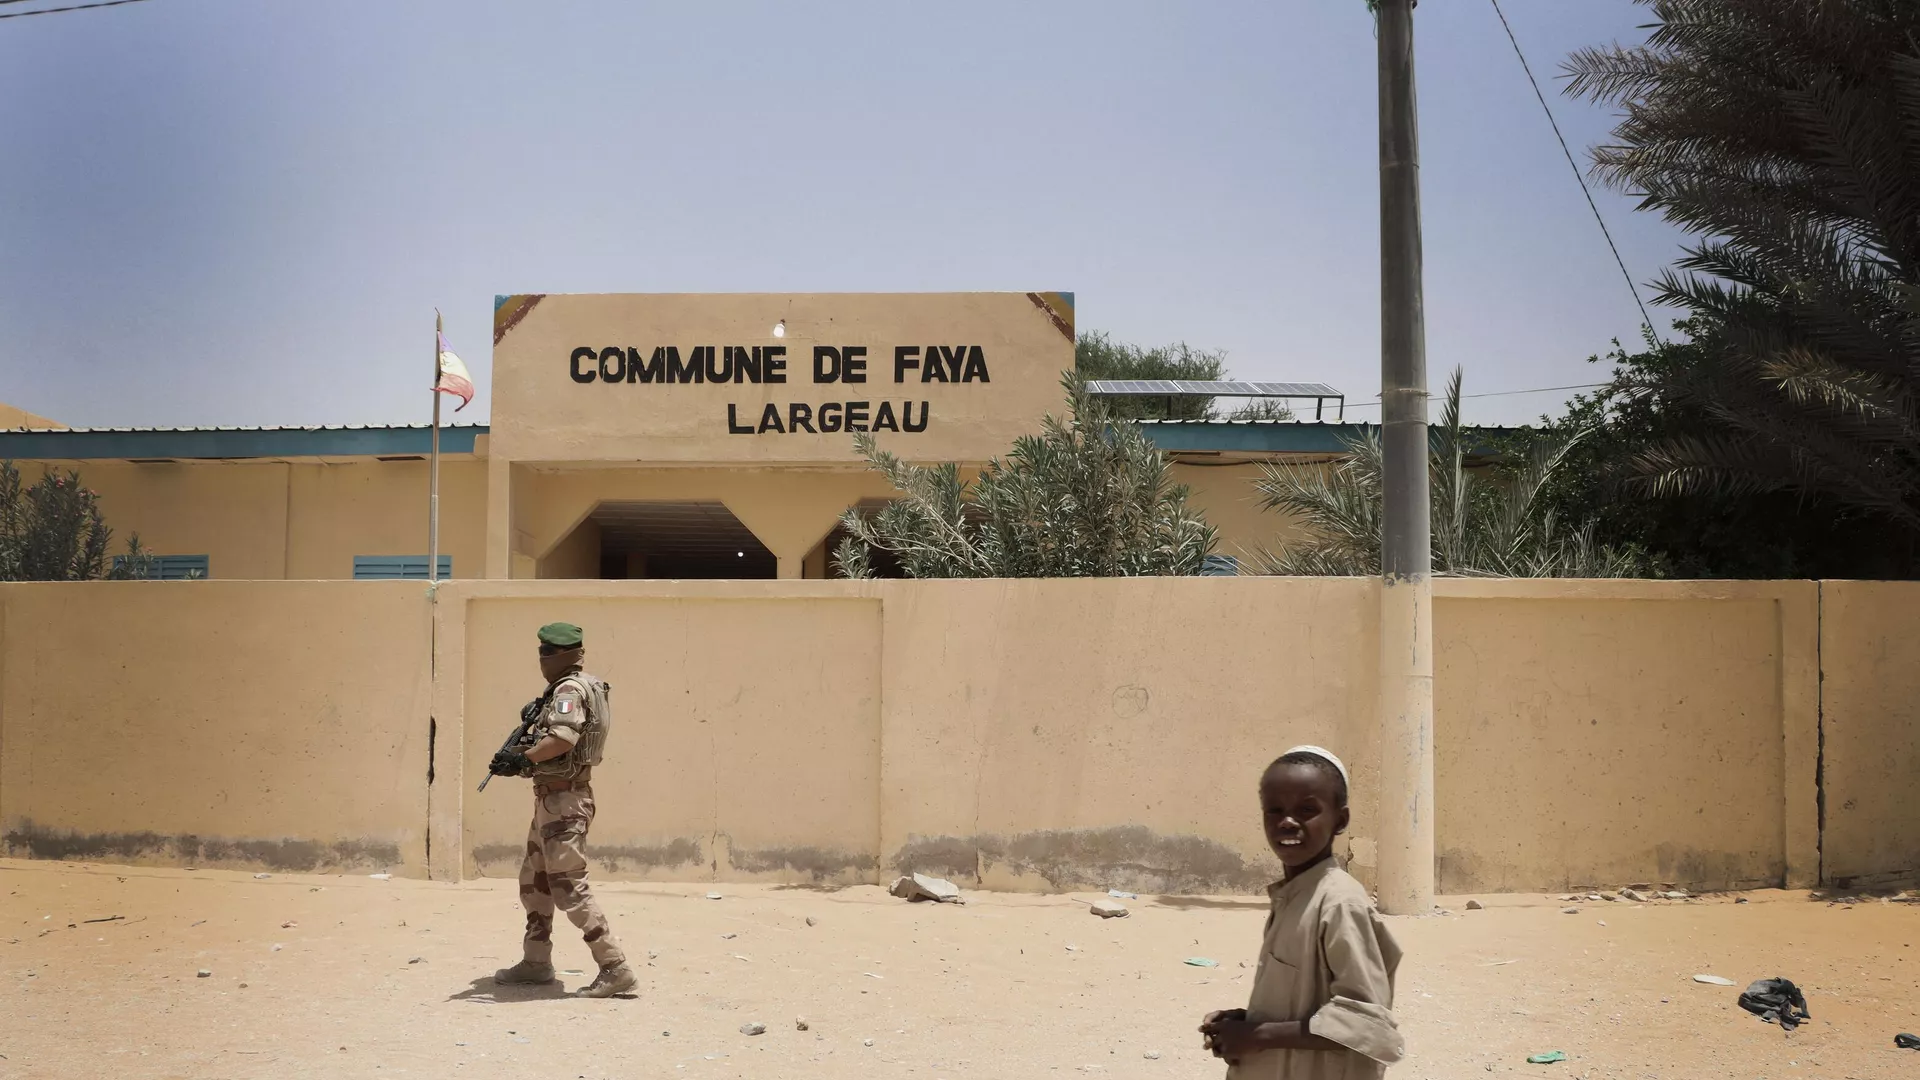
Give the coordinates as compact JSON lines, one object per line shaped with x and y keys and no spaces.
{"x":617,"y":979}
{"x":526,"y":971}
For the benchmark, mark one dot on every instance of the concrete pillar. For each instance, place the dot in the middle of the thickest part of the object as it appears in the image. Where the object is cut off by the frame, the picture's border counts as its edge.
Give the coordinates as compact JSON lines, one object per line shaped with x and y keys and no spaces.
{"x":1406,"y":881}
{"x":790,"y":565}
{"x":1406,"y":869}
{"x":499,"y":518}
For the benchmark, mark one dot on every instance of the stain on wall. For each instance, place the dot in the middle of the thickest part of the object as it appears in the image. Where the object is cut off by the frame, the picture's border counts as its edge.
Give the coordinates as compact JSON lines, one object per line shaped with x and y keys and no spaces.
{"x":814,"y":864}
{"x":683,"y":854}
{"x":1130,"y":857}
{"x":145,"y":848}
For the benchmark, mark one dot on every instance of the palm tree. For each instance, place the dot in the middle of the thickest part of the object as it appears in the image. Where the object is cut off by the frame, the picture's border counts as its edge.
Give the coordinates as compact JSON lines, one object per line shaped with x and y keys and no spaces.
{"x":1486,"y":522}
{"x":1786,"y":134}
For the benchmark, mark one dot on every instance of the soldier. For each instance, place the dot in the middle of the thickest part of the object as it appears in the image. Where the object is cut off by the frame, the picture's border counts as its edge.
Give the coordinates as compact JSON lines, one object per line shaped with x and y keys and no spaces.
{"x":566,"y":742}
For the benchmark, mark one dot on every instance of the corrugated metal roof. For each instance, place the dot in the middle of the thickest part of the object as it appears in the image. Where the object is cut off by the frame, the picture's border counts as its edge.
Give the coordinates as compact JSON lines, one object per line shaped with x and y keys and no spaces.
{"x":319,"y":427}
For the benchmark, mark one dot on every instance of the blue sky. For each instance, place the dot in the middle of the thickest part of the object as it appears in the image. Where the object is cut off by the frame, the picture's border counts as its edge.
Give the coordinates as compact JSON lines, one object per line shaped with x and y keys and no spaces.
{"x":228,"y":212}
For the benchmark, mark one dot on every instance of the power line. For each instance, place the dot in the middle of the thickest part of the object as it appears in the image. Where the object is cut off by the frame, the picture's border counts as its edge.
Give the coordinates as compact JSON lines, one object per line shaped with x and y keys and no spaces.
{"x":1577,"y":175}
{"x":1500,"y":393}
{"x":58,"y":10}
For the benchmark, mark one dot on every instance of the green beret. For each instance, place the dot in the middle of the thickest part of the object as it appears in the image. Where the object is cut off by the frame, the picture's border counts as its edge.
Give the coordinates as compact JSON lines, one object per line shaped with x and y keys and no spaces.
{"x":561,"y":634}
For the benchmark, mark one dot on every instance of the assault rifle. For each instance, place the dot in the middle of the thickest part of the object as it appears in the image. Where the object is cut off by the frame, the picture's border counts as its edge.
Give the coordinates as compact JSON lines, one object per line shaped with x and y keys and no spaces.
{"x":529,"y":715}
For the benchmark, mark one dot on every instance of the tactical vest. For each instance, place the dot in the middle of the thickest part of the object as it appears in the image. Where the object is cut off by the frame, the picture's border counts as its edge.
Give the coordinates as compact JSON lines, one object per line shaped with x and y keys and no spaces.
{"x":593,"y":728}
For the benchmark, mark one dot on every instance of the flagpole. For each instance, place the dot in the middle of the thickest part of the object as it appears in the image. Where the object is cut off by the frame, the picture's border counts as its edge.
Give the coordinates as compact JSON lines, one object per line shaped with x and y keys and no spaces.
{"x":433,"y":467}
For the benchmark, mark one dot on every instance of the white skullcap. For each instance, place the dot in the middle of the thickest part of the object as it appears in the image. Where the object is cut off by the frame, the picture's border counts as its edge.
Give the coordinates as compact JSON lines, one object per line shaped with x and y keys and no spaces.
{"x":1328,"y":757}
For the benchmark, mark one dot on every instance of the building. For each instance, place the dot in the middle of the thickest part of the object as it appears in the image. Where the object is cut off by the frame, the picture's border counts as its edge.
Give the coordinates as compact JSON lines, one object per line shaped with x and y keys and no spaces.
{"x":635,"y":436}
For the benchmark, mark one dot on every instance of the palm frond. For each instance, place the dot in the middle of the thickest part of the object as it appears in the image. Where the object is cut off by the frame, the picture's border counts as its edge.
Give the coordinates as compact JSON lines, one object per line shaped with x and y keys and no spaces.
{"x":1785,"y":134}
{"x":1483,"y":525}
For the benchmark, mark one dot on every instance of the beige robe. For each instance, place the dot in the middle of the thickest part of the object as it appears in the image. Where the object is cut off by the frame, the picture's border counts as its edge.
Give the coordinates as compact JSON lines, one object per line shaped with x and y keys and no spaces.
{"x":1327,"y":958}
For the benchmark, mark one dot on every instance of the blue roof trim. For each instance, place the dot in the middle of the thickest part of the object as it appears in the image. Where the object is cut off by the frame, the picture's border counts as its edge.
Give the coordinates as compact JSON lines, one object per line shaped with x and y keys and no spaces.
{"x":213,"y":444}
{"x":1254,"y":438}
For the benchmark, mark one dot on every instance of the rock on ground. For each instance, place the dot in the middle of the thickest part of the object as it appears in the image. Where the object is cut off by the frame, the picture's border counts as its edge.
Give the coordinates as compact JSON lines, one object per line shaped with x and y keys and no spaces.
{"x":921,"y":887}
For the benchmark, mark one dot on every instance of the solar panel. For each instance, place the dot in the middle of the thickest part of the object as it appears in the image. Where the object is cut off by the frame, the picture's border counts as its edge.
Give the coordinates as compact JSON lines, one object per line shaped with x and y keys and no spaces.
{"x":1207,"y":388}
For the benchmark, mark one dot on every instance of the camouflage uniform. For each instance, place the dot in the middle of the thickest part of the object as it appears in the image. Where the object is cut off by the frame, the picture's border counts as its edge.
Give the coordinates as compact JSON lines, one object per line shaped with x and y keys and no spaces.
{"x":574,"y":710}
{"x":554,"y":873}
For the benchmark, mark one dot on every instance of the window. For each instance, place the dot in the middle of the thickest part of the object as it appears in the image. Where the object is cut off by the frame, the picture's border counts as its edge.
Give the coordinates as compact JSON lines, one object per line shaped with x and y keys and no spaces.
{"x":1220,"y":566}
{"x":397,"y":567}
{"x":170,"y":567}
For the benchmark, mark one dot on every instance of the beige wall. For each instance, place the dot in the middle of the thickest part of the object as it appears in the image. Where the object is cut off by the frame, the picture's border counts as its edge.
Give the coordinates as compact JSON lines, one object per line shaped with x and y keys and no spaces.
{"x":380,"y":508}
{"x":1870,"y":717}
{"x":1225,"y":495}
{"x":1025,"y":734}
{"x":278,"y":725}
{"x":233,"y":513}
{"x":541,"y":413}
{"x":577,"y":555}
{"x":301,"y":520}
{"x":1111,"y":733}
{"x":747,"y":729}
{"x":1619,"y":733}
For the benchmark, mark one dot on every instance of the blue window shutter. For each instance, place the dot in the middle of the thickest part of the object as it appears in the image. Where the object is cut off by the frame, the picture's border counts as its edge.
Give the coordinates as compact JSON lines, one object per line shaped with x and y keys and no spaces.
{"x":172,"y":567}
{"x":1220,"y":566}
{"x":397,"y":567}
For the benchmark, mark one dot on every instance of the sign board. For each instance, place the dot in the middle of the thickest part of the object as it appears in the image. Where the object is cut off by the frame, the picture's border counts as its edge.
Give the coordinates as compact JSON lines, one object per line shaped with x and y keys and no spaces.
{"x":774,"y":378}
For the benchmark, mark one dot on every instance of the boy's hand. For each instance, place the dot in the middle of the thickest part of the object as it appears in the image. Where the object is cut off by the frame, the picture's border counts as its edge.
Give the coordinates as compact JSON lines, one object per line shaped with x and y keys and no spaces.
{"x":1223,"y":1014}
{"x":1213,"y":1018}
{"x":1232,"y":1037}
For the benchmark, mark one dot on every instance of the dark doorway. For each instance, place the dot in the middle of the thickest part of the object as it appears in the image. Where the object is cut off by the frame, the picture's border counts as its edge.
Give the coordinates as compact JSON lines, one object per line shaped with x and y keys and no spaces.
{"x":686,"y":540}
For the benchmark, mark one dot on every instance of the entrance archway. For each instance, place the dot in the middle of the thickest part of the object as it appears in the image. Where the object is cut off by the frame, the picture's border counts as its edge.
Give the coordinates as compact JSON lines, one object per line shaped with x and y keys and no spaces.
{"x":688,"y":539}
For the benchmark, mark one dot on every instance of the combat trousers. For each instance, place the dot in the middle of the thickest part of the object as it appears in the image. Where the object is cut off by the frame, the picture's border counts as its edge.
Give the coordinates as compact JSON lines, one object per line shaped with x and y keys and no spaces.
{"x":554,"y":874}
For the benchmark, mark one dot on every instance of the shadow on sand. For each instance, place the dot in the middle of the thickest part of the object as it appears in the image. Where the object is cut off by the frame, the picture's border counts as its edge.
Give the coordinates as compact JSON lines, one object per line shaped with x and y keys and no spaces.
{"x":1209,"y":902}
{"x":485,"y":991}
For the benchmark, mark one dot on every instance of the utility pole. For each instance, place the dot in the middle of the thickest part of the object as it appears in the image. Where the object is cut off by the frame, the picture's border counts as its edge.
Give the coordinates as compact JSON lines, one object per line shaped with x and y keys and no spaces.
{"x":1406,"y":548}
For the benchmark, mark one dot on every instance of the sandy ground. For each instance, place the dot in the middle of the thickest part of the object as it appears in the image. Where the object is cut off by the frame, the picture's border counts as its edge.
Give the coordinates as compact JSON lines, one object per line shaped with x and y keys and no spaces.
{"x":355,"y":977}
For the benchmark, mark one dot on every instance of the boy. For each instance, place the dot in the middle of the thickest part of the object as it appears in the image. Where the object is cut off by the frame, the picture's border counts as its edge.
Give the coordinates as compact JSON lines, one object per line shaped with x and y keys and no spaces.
{"x":1322,"y":998}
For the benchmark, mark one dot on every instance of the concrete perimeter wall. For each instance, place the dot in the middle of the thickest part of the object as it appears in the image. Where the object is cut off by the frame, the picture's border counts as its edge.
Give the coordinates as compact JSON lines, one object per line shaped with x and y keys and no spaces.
{"x":206,"y":723}
{"x":1009,"y":734}
{"x":1870,"y":716}
{"x":1594,"y":733}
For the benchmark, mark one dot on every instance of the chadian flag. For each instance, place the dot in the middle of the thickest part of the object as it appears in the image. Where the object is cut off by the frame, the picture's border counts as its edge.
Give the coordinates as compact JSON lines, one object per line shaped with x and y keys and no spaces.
{"x":453,"y":378}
